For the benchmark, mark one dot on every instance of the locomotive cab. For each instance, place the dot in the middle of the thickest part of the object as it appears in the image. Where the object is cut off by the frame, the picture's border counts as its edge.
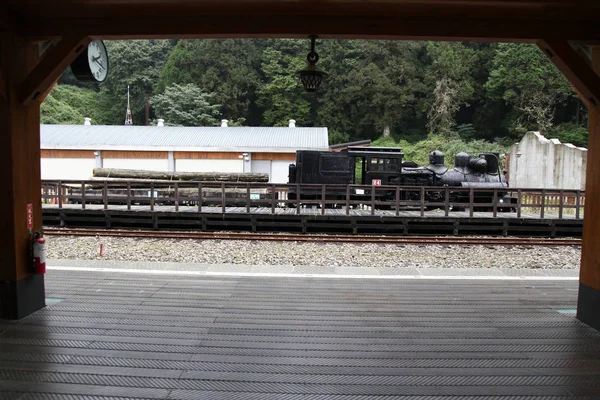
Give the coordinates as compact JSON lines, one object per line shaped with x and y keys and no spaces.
{"x":380,"y":165}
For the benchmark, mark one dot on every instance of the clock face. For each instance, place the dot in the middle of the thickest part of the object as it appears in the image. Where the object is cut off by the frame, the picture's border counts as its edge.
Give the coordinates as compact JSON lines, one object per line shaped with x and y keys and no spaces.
{"x":98,"y":60}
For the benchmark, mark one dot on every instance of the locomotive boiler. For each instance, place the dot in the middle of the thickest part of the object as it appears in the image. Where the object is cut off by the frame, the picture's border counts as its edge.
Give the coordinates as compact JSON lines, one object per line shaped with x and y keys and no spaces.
{"x":385,"y":166}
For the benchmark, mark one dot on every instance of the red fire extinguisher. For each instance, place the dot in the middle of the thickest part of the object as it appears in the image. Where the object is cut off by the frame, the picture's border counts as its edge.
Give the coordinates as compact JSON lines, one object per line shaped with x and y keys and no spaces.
{"x":39,"y":254}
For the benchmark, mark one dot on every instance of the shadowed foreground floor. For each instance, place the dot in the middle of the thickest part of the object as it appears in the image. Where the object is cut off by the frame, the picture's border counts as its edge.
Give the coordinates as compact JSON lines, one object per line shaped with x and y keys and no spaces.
{"x":121,"y":336}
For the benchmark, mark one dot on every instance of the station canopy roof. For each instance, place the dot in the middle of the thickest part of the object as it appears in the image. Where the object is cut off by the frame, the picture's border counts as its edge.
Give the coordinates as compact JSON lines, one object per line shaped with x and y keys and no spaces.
{"x":179,"y":138}
{"x":493,"y":20}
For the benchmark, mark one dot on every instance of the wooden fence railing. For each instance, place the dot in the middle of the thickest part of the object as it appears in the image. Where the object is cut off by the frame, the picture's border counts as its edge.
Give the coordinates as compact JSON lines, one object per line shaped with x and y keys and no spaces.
{"x":542,"y":202}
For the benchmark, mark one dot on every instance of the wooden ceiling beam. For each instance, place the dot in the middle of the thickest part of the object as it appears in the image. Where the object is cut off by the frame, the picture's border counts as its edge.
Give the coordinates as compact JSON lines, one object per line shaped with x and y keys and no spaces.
{"x":50,"y":68}
{"x":581,"y":75}
{"x":463,"y":28}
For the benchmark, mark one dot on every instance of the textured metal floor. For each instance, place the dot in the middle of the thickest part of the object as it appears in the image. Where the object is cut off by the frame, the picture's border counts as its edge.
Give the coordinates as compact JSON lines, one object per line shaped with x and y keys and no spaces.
{"x":120,"y":336}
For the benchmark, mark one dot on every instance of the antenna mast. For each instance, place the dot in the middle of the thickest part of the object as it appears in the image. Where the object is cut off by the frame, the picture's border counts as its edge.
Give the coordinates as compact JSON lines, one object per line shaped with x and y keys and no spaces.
{"x":128,"y":117}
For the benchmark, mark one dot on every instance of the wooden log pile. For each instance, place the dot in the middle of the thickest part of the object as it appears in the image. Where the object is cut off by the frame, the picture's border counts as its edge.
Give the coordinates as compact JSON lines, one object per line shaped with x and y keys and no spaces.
{"x":180,"y":176}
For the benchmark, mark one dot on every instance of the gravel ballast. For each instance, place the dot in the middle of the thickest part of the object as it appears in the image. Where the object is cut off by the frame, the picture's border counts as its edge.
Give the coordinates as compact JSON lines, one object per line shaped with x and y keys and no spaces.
{"x":317,"y":254}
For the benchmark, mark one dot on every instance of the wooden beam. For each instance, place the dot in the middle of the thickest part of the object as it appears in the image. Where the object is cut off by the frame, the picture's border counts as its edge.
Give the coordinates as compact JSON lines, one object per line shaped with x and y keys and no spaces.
{"x":576,"y":69}
{"x":3,"y":86}
{"x":392,"y":26}
{"x":588,"y":305}
{"x":51,"y":67}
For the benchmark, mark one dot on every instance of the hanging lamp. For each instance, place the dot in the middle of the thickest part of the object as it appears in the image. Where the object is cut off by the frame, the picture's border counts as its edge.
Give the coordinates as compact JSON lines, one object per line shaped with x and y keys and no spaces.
{"x":311,"y":76}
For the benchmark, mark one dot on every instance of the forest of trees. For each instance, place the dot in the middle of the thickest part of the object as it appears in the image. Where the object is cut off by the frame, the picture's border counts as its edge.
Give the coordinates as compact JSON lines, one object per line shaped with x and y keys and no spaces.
{"x":416,"y":94}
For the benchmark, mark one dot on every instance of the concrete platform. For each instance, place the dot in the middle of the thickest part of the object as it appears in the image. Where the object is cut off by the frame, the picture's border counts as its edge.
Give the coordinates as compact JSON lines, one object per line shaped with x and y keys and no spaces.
{"x":120,"y":335}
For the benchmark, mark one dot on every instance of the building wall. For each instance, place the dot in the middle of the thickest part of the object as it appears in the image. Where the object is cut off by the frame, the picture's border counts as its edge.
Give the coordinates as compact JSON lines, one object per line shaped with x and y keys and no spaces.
{"x":537,"y":162}
{"x":280,"y":171}
{"x":208,"y":165}
{"x":67,"y":168}
{"x":79,"y":164}
{"x":146,"y":164}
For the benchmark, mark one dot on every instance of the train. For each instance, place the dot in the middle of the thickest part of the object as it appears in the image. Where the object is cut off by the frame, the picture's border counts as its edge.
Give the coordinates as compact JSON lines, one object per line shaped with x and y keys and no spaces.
{"x":385,"y":166}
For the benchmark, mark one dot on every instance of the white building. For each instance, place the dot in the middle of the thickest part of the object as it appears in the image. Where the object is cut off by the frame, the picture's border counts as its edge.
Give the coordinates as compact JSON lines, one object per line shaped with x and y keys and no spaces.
{"x":537,"y":162}
{"x":73,"y":151}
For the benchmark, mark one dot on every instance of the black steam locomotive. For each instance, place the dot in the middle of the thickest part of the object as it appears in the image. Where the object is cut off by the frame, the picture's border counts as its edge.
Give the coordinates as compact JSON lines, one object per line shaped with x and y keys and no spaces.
{"x":385,"y":166}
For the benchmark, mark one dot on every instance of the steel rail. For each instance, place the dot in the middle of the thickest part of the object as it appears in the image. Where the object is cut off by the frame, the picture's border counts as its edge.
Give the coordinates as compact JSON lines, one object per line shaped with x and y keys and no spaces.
{"x":418,"y":240}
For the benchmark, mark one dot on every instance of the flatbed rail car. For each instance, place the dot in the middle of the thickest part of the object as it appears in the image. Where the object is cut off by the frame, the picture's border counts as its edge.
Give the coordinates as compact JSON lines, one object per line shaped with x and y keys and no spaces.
{"x":158,"y":193}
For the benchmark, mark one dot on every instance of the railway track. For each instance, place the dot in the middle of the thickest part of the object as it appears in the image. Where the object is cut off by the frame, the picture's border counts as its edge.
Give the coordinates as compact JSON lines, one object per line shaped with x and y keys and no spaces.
{"x":418,"y":240}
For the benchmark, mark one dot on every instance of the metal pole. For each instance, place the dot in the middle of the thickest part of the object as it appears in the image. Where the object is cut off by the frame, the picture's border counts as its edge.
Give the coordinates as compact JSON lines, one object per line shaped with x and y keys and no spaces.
{"x":495,"y":200}
{"x":561,"y":204}
{"x":422,"y":201}
{"x":519,"y":202}
{"x":543,"y":203}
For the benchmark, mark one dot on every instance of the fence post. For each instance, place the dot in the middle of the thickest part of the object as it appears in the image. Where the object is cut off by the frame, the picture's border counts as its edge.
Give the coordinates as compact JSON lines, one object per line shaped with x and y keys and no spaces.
{"x":561,"y":204}
{"x":83,"y":195}
{"x":471,"y":201}
{"x":446,"y":200}
{"x":397,"y":201}
{"x":151,"y":196}
{"x":519,"y":202}
{"x":223,"y":202}
{"x":60,"y":199}
{"x":495,"y":201}
{"x":373,"y":189}
{"x":200,"y":200}
{"x":128,"y":195}
{"x":176,"y":197}
{"x":577,"y":203}
{"x":105,"y":195}
{"x":247,"y":197}
{"x":298,"y":198}
{"x":422,"y":201}
{"x":347,"y":199}
{"x":273,"y":199}
{"x":543,"y":203}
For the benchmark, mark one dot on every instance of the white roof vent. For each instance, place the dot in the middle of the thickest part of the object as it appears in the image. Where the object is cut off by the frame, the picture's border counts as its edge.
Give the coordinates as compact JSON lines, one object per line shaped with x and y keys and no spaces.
{"x":292,"y":123}
{"x":87,"y":121}
{"x":224,"y":123}
{"x":161,"y":122}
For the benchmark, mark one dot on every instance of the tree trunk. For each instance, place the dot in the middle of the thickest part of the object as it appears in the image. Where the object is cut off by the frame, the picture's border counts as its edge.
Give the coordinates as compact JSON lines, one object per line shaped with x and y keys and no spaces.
{"x":180,"y":176}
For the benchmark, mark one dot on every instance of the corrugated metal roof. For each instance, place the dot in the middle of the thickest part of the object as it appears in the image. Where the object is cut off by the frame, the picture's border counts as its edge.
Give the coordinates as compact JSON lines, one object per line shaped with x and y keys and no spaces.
{"x":168,"y":138}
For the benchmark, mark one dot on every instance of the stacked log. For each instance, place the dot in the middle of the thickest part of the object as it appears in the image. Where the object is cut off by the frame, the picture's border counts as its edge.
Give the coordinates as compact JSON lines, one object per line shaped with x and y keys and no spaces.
{"x":179,"y":176}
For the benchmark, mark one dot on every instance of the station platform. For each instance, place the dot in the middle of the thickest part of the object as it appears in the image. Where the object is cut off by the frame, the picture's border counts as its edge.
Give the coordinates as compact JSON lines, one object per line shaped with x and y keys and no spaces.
{"x":110,"y":334}
{"x":314,"y":220}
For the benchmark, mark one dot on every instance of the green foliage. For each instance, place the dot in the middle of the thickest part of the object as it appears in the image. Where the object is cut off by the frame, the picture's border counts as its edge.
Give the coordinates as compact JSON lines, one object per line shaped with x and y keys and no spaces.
{"x":462,"y":92}
{"x":66,"y":104}
{"x":419,"y":151}
{"x":570,"y":133}
{"x":136,"y":63}
{"x":282,"y":95}
{"x":229,"y":68}
{"x":526,"y":79}
{"x":450,"y":69}
{"x":186,"y":105}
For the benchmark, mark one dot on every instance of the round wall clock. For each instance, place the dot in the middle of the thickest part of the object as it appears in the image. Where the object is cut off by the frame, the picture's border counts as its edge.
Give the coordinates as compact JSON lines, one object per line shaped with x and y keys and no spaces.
{"x":92,"y":64}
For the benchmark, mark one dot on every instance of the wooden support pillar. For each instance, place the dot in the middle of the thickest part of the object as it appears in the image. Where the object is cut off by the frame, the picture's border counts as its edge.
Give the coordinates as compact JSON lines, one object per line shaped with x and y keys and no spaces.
{"x":588,"y":307}
{"x":21,"y":292}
